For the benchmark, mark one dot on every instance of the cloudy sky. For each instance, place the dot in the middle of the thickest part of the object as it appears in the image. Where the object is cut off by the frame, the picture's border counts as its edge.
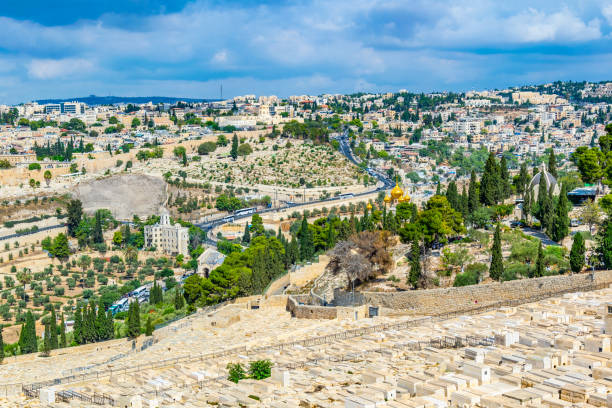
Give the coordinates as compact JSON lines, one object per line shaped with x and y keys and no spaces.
{"x":66,"y":48}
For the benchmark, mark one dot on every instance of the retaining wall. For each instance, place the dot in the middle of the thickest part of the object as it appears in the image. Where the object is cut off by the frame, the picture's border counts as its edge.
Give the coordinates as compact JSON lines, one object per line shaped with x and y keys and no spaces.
{"x":436,"y":301}
{"x":297,"y":307}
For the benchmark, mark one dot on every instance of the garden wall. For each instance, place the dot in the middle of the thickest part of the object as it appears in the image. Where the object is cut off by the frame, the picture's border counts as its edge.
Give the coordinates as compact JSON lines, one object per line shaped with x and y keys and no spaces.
{"x":466,"y":298}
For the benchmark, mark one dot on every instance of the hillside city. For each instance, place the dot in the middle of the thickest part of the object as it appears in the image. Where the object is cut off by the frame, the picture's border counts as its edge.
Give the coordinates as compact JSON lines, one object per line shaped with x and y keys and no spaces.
{"x":399,"y":249}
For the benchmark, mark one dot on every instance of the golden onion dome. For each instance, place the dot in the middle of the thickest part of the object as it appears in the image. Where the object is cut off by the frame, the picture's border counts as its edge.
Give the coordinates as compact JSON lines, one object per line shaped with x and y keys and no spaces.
{"x":387,"y":199}
{"x":369,"y":207}
{"x":396,"y":192}
{"x":406,"y":198}
{"x":401,"y":199}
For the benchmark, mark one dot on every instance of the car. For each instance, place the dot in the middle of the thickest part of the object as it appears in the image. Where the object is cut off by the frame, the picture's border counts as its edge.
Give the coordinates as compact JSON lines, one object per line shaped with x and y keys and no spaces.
{"x":517,"y":224}
{"x":575,"y":223}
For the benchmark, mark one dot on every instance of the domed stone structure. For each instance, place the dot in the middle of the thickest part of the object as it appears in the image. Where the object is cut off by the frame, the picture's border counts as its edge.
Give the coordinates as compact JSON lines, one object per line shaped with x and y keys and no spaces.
{"x":549,"y":179}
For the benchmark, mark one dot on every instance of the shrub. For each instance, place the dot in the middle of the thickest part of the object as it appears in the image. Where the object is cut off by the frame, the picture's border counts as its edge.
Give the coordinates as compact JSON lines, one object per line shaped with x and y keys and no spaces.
{"x":260,"y":369}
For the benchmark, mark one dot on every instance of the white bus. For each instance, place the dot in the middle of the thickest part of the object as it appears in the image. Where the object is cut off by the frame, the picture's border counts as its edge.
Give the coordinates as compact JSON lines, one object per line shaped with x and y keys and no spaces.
{"x":346,"y":195}
{"x":229,"y":218}
{"x":245,"y":211}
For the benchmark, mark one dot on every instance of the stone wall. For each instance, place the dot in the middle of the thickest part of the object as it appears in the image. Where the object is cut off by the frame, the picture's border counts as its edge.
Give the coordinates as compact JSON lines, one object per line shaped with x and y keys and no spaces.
{"x":304,"y":311}
{"x":447,"y":300}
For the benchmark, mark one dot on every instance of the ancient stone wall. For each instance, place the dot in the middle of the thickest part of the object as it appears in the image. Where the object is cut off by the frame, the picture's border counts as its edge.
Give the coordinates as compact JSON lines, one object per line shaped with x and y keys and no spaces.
{"x":448,"y":300}
{"x":305,"y":311}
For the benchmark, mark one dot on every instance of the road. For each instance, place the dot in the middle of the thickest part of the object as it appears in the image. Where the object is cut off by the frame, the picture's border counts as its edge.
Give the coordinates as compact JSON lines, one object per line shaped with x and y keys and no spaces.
{"x":541,"y":236}
{"x":50,"y":227}
{"x":345,"y":149}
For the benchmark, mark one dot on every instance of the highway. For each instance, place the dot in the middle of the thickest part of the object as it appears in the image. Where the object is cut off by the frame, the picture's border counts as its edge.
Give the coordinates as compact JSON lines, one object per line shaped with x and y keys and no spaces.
{"x":345,"y":149}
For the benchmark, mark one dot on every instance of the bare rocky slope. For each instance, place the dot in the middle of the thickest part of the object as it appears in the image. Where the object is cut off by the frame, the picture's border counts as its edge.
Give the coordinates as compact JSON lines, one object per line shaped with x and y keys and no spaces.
{"x":125,"y":195}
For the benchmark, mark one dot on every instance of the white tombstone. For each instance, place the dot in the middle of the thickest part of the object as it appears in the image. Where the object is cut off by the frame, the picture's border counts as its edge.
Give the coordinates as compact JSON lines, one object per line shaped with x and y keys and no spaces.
{"x":281,"y":376}
{"x":47,"y":395}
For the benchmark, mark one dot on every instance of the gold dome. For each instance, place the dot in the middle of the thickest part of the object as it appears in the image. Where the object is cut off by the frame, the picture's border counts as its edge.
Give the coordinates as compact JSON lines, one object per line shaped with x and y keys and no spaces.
{"x":369,"y":207}
{"x":387,"y":199}
{"x":406,"y":198}
{"x":396,"y":192}
{"x":401,"y":199}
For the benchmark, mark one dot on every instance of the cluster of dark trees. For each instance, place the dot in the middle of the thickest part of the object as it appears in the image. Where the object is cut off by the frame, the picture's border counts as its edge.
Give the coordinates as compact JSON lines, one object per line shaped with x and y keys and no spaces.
{"x":93,"y":324}
{"x":60,"y":151}
{"x":316,"y":131}
{"x":88,"y":230}
{"x":55,"y":335}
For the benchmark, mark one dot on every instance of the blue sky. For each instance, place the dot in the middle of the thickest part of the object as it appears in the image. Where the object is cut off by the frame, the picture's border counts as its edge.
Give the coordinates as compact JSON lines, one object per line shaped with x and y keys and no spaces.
{"x":188,"y":48}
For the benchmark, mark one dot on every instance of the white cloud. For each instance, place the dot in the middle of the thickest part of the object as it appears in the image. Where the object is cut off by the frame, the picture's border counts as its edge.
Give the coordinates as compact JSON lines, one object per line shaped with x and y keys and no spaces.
{"x":63,"y":68}
{"x":220,"y":57}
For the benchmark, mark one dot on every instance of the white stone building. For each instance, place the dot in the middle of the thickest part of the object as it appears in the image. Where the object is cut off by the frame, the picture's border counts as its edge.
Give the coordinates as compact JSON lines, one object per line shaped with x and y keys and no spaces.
{"x":168,"y":238}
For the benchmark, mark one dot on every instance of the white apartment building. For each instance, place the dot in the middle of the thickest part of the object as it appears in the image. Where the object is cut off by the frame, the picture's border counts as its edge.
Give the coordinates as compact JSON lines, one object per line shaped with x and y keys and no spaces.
{"x":168,"y":238}
{"x":468,"y":126}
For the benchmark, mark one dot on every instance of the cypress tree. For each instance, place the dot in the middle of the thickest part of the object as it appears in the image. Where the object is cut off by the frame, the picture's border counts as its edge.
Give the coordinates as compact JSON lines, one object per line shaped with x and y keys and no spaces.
{"x":523,"y":179}
{"x":415,"y":263}
{"x":46,"y":346}
{"x":133,"y":329}
{"x":101,"y":322}
{"x":179,"y":299}
{"x":27,"y":337}
{"x":97,"y":235}
{"x":577,"y":253}
{"x":464,"y":203}
{"x":438,"y":192}
{"x":184,"y":159}
{"x":453,"y":196}
{"x":330,"y":236}
{"x":110,"y":326}
{"x":414,"y":215}
{"x":539,"y":268}
{"x":505,"y":187}
{"x":149,"y":326}
{"x":306,"y":241}
{"x":552,"y":164}
{"x":62,"y":339}
{"x":78,"y":326}
{"x":542,"y":203}
{"x":234,"y":151}
{"x":246,"y":237}
{"x":53,"y":330}
{"x":496,"y":268}
{"x":561,"y":221}
{"x":490,"y":182}
{"x":527,"y":204}
{"x":473,"y":200}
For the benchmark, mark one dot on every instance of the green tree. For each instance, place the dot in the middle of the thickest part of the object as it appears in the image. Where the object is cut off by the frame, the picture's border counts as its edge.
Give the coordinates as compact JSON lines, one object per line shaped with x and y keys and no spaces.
{"x":27,"y":337}
{"x":415,"y":264}
{"x":453,"y":196}
{"x":62,"y":339}
{"x":260,"y":369}
{"x":245,"y":149}
{"x":149,"y":326}
{"x":54,"y":341}
{"x":539,"y":267}
{"x":523,"y":179}
{"x":234,"y":151}
{"x":179,"y":151}
{"x":133,"y":323}
{"x":97,"y":235}
{"x":490,"y":182}
{"x":235,"y":372}
{"x":47,"y":177}
{"x":75,"y":214}
{"x":496,"y":269}
{"x":552,"y":164}
{"x":306,"y":240}
{"x":78,"y":326}
{"x":577,"y":253}
{"x":505,"y":186}
{"x":257,"y":226}
{"x":135,"y":123}
{"x":59,"y":247}
{"x":246,"y":237}
{"x":184,"y":160}
{"x":206,"y":148}
{"x":473,"y":200}
{"x":604,"y":247}
{"x":179,"y":299}
{"x":561,"y":221}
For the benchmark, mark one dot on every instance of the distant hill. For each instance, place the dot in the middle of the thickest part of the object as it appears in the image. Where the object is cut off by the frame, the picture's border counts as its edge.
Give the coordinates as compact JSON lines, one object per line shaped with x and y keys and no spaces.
{"x":110,"y":100}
